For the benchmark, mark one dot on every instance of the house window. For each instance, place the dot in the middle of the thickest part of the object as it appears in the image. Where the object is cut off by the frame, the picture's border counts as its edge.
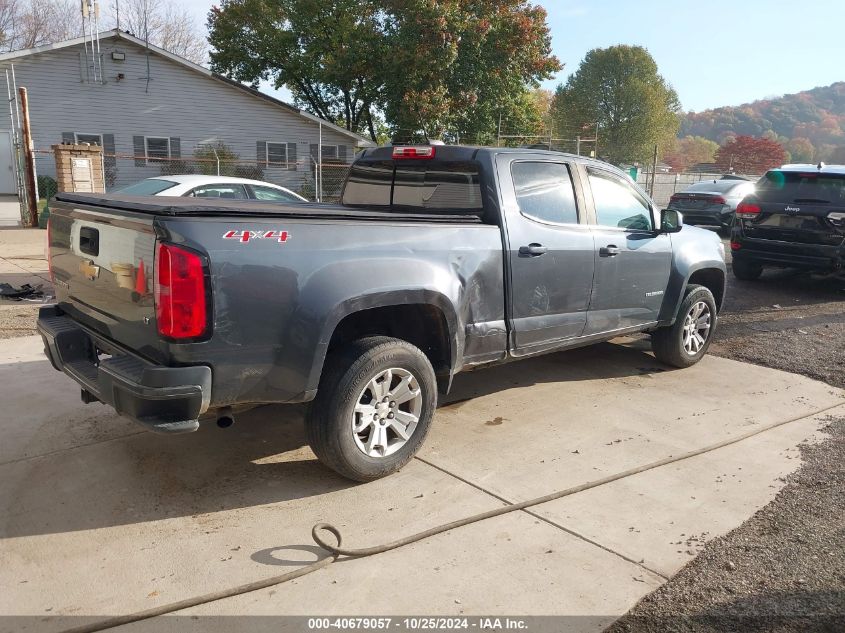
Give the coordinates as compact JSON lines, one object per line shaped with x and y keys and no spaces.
{"x":157,"y":148}
{"x":93,"y":139}
{"x":329,"y":152}
{"x":277,"y":155}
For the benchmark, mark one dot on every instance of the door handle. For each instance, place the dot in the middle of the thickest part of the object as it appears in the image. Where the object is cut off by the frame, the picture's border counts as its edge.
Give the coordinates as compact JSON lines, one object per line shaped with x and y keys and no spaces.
{"x":532,"y":250}
{"x":610,"y":250}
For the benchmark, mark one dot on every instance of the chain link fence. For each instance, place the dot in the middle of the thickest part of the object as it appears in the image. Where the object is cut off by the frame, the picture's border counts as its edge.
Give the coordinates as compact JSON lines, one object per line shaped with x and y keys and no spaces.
{"x":661,"y":186}
{"x":309,"y":178}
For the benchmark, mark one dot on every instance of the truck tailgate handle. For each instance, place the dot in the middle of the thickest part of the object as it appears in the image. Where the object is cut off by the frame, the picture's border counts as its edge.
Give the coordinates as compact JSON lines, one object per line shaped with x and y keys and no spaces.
{"x":611,"y":250}
{"x":532,"y":250}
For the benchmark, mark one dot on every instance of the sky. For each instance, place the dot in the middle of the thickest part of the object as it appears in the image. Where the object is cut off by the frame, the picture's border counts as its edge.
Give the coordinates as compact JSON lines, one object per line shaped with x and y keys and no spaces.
{"x":713,"y":53}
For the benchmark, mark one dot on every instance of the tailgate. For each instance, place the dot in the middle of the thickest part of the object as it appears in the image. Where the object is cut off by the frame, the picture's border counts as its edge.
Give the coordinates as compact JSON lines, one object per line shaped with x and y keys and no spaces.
{"x":801,"y":223}
{"x":102,"y":265}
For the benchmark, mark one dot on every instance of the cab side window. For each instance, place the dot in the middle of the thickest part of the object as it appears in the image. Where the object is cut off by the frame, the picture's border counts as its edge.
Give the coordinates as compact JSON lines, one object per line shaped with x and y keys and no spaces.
{"x":544,"y":191}
{"x":618,"y":204}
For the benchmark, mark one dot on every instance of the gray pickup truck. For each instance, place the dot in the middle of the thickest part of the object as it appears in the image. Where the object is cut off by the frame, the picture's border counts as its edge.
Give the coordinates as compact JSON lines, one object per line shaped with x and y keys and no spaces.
{"x":440,"y":258}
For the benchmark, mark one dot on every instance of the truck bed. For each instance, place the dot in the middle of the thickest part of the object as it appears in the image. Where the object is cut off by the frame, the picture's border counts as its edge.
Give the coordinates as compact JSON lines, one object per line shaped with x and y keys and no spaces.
{"x":176,"y":206}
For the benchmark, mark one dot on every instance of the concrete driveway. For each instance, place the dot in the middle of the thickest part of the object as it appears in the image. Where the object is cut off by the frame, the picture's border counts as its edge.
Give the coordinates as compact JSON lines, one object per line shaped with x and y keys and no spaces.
{"x":98,"y":518}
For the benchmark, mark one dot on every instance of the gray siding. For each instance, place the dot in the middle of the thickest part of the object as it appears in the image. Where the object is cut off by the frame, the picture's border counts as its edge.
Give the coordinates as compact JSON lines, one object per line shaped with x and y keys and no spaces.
{"x":176,"y":102}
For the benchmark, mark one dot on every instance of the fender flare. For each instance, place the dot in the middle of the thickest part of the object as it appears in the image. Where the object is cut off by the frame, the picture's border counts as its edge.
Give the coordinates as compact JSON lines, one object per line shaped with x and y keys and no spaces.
{"x":417,"y":296}
{"x":677,"y":287}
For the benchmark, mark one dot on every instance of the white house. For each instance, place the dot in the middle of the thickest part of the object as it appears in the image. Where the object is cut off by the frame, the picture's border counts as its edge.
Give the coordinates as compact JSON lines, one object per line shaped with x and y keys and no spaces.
{"x":147,"y":108}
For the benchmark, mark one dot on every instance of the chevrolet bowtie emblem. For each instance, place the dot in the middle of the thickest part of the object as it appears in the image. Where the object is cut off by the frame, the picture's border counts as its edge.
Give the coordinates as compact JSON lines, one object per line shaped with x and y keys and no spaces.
{"x":89,"y":270}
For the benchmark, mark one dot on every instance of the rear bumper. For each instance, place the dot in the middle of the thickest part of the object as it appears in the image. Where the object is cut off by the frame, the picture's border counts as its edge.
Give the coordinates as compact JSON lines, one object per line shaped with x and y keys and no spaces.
{"x":162,"y":399}
{"x":716,"y":216}
{"x":791,"y":255}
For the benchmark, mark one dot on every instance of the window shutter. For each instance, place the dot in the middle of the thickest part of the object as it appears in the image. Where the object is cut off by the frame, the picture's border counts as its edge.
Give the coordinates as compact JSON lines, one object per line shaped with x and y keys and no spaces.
{"x":139,"y":151}
{"x":261,"y":153}
{"x":109,"y":161}
{"x":175,"y":147}
{"x":315,"y":154}
{"x":341,"y":153}
{"x":291,"y":156}
{"x":68,"y":137}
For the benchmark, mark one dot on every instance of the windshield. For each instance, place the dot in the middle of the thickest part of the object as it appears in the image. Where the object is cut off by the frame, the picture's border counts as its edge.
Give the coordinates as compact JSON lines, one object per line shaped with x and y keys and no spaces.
{"x":786,"y":186}
{"x":148,"y":187}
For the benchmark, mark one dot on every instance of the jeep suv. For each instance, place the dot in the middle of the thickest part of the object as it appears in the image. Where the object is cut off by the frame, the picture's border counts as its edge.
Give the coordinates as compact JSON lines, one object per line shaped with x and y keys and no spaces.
{"x":794,"y":219}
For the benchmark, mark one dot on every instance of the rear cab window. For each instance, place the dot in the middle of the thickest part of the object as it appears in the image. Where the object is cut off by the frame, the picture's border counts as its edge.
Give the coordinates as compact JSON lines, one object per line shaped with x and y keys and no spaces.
{"x":437,"y":186}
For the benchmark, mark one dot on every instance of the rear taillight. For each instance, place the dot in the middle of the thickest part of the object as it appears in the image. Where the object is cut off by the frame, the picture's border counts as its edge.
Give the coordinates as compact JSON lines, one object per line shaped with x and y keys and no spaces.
{"x":425,"y":151}
{"x":747,"y":210}
{"x":718,"y":200}
{"x":836,"y":217}
{"x":180,"y":293}
{"x":49,"y":255}
{"x":735,"y":246}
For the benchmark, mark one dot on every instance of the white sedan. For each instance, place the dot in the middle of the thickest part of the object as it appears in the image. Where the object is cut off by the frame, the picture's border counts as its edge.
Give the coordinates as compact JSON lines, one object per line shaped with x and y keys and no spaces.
{"x":199,"y":186}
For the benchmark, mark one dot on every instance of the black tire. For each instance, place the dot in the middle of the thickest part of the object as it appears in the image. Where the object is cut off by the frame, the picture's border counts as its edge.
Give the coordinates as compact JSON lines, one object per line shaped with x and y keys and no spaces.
{"x":667,"y":343}
{"x":746,"y":271}
{"x":346,"y":374}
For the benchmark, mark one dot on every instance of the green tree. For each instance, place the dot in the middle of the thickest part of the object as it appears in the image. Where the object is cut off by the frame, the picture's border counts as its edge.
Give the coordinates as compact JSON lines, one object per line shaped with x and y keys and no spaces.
{"x":686,"y":152}
{"x":451,"y":66}
{"x":330,"y":55}
{"x":457,"y":65}
{"x":620,"y":89}
{"x":801,"y":150}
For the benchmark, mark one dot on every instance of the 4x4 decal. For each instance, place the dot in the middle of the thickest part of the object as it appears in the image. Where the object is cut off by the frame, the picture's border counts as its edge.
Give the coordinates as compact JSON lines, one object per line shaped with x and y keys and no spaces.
{"x":245,"y":236}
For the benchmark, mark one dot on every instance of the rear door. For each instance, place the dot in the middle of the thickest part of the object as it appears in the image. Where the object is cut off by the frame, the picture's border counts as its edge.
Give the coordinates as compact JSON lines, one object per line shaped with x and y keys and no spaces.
{"x":550,"y":251}
{"x":632,"y":261}
{"x":798,"y":207}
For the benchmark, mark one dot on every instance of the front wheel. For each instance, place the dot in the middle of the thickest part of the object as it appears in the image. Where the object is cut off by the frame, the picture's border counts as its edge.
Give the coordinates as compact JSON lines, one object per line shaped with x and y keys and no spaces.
{"x":685,"y":342}
{"x":373,"y":408}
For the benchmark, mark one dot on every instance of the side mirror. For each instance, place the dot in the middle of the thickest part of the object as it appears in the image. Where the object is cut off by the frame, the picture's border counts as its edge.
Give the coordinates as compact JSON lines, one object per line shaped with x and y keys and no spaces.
{"x":671,"y":221}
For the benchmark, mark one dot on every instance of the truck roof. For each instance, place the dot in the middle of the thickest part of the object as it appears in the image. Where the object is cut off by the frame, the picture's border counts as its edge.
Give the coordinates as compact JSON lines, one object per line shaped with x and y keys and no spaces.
{"x":470,"y":152}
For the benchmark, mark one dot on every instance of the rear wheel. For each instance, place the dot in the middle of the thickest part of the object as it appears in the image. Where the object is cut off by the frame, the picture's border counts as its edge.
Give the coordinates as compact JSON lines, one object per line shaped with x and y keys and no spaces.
{"x":746,"y":271}
{"x":686,"y":341}
{"x":373,"y":408}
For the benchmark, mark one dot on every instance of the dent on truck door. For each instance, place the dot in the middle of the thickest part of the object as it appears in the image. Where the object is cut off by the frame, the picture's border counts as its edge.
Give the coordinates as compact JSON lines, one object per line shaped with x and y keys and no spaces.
{"x":550,"y":253}
{"x":632,"y":261}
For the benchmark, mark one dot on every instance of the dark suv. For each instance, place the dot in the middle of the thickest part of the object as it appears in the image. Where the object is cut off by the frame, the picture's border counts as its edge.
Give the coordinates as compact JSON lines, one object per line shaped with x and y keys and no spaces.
{"x":794,"y":219}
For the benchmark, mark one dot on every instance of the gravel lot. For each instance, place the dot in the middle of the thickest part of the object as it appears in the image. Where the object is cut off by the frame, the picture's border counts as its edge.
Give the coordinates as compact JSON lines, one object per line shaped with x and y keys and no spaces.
{"x":788,"y":321}
{"x":783,"y":569}
{"x":17,"y":318}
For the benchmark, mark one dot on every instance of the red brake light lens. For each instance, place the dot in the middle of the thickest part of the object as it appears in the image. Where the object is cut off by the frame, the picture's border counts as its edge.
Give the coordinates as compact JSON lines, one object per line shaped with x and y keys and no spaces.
{"x":747,"y":210}
{"x":180,"y":293}
{"x":735,"y":246}
{"x":718,"y":200}
{"x":424,"y":151}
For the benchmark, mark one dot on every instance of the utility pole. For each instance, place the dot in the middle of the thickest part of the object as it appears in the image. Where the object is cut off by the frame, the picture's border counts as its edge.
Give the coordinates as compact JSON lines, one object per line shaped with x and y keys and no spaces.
{"x":653,"y":172}
{"x":578,"y":145}
{"x":29,"y":162}
{"x":499,"y":135}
